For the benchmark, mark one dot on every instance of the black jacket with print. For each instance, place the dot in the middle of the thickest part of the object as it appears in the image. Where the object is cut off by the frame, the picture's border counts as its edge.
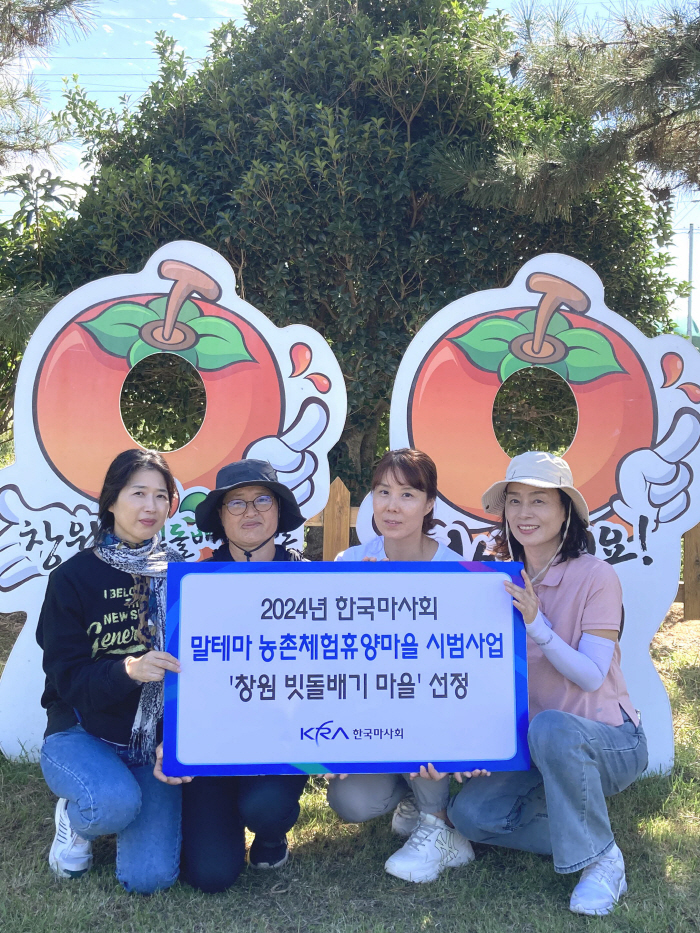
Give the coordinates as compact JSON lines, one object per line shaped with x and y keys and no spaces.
{"x":87,"y":628}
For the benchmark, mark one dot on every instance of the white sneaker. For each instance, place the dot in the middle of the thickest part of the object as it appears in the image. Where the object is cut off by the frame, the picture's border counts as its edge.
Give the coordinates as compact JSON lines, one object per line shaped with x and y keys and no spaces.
{"x":432,"y":846}
{"x":70,"y":855}
{"x":406,"y":816}
{"x":601,"y":886}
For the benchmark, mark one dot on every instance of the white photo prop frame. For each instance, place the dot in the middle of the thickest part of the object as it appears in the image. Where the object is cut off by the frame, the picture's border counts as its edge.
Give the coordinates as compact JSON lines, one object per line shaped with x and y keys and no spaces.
{"x":635,"y":456}
{"x":279,"y":395}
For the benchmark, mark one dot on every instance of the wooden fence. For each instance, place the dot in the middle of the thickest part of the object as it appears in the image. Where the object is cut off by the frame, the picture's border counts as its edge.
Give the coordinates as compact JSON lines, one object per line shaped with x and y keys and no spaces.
{"x":339,"y":517}
{"x":336,"y":520}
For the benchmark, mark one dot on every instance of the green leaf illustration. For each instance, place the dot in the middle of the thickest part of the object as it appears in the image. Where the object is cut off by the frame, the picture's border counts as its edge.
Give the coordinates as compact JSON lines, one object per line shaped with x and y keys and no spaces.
{"x":590,"y":355}
{"x":220,"y":343}
{"x":556,"y":325}
{"x":486,"y":344}
{"x":139,"y":351}
{"x":190,"y":502}
{"x":188,"y":311}
{"x":560,"y":368}
{"x":117,"y":328}
{"x":510,"y":364}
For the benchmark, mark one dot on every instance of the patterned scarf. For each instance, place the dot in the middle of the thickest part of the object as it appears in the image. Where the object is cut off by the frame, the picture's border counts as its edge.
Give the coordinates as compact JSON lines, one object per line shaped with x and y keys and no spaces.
{"x":148,"y":565}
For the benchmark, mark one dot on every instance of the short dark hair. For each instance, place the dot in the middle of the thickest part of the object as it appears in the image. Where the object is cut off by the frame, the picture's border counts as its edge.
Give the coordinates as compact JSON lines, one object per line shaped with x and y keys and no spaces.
{"x":119,"y":472}
{"x":417,"y":469}
{"x":575,"y":543}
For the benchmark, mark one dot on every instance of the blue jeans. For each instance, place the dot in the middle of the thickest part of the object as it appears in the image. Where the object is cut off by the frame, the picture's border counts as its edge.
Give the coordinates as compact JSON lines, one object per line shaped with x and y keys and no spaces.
{"x":108,"y":793}
{"x":215,"y":814}
{"x":579,"y":763}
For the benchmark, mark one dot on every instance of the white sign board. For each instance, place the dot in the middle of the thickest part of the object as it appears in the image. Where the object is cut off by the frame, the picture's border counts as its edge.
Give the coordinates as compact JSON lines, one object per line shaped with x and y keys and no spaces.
{"x":314,"y":668}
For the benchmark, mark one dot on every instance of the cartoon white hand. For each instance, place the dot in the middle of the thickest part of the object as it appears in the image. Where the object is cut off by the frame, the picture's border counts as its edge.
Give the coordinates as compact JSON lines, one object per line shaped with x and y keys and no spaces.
{"x":654,"y":483}
{"x":289,"y":453}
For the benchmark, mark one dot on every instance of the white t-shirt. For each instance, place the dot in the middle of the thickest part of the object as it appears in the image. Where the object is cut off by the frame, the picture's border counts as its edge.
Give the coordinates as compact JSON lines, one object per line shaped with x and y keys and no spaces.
{"x":375,"y":548}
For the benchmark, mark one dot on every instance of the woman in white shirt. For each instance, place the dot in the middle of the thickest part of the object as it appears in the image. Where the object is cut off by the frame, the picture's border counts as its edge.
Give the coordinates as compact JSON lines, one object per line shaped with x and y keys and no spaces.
{"x":404,"y":489}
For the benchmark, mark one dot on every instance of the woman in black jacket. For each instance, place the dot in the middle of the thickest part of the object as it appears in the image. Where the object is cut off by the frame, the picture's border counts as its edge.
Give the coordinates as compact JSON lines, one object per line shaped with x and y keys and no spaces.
{"x":102,"y":631}
{"x":248,"y":508}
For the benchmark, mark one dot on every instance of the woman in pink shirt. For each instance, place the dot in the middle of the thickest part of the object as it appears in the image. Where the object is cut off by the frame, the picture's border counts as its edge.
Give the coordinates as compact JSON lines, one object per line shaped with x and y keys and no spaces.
{"x":585,"y":737}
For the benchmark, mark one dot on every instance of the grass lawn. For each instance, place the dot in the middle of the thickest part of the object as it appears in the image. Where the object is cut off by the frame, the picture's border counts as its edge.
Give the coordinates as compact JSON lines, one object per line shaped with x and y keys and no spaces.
{"x":335,"y":882}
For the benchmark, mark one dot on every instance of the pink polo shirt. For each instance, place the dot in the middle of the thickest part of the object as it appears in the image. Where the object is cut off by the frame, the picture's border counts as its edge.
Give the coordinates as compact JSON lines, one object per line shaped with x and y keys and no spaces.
{"x":577,"y":596}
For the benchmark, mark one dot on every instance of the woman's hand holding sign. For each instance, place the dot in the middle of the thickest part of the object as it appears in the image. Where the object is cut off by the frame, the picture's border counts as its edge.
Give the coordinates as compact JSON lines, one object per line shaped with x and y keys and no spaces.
{"x":524,"y":600}
{"x":432,"y":774}
{"x":151,"y":666}
{"x":158,"y":770}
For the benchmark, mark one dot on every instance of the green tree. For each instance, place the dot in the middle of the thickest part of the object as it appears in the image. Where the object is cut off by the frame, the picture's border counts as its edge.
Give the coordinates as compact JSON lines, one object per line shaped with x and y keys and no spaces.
{"x":631,"y":82}
{"x":302,"y":150}
{"x":45,"y":200}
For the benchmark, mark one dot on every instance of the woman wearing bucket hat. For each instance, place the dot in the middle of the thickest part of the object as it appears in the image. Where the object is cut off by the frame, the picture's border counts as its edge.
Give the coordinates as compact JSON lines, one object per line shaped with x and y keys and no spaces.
{"x":585,"y":738}
{"x":246,"y":511}
{"x":248,"y":508}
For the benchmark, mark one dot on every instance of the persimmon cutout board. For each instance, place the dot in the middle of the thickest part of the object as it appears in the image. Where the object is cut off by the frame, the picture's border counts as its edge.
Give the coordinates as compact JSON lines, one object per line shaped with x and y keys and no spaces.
{"x":272,"y":393}
{"x":635,"y":456}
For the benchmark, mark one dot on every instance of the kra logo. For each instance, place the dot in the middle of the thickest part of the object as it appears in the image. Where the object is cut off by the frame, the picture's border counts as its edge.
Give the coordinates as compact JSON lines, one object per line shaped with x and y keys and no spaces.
{"x":323,"y":732}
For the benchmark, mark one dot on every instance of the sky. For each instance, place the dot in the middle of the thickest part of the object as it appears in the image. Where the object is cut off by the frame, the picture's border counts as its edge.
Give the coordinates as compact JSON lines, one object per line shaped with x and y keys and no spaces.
{"x":116,"y":57}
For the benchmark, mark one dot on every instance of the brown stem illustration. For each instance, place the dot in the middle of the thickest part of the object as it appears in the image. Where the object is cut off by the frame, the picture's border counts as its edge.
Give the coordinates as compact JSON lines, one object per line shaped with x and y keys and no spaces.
{"x":187,"y":280}
{"x":555,"y":293}
{"x":539,"y":346}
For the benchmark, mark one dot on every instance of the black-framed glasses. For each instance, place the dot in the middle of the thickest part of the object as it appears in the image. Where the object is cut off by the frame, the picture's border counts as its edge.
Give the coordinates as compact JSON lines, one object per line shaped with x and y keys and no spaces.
{"x":260,"y":504}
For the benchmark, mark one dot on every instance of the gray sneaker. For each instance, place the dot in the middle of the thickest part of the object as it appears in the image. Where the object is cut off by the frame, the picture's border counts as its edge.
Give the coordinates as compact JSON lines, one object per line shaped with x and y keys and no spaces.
{"x":70,"y":855}
{"x":406,"y":817}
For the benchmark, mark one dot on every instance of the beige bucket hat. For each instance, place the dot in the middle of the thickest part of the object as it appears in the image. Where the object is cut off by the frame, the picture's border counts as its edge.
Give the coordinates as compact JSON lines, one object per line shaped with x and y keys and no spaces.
{"x":535,"y":468}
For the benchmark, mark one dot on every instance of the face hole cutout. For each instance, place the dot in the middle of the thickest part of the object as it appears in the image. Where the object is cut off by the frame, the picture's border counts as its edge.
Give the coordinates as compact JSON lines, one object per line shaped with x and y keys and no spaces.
{"x":163,"y":402}
{"x":535,"y":409}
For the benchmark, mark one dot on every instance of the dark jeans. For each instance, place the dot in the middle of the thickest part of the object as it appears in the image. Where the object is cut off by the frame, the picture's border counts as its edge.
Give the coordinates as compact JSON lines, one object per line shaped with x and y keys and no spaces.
{"x":215,"y":813}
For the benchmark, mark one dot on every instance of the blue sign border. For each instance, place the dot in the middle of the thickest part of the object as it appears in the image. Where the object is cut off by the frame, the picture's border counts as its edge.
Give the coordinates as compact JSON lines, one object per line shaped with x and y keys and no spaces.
{"x":177,"y":572}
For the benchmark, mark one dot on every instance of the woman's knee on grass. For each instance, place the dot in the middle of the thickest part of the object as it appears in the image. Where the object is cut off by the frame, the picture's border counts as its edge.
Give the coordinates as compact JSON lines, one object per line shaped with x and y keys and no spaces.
{"x":214,"y":878}
{"x":552,"y":734}
{"x":148,"y":879}
{"x":351,"y":803}
{"x":470,"y":810}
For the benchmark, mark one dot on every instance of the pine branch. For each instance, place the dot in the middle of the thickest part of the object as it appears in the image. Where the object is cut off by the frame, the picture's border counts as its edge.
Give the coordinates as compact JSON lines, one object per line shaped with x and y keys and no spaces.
{"x":28,"y":25}
{"x":635,"y":82}
{"x":20,"y":313}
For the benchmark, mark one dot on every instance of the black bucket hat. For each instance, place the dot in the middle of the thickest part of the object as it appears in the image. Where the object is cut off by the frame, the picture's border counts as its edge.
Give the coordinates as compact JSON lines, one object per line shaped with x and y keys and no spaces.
{"x":248,"y":473}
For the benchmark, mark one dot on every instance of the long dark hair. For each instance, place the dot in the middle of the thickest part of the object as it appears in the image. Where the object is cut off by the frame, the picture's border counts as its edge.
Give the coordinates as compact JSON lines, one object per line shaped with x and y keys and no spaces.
{"x":119,"y":472}
{"x":416,"y":469}
{"x":575,"y":543}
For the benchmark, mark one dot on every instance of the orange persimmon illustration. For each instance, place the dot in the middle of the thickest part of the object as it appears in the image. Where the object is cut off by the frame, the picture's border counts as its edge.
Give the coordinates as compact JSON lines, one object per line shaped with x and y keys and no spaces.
{"x":453,"y":392}
{"x":77,"y":393}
